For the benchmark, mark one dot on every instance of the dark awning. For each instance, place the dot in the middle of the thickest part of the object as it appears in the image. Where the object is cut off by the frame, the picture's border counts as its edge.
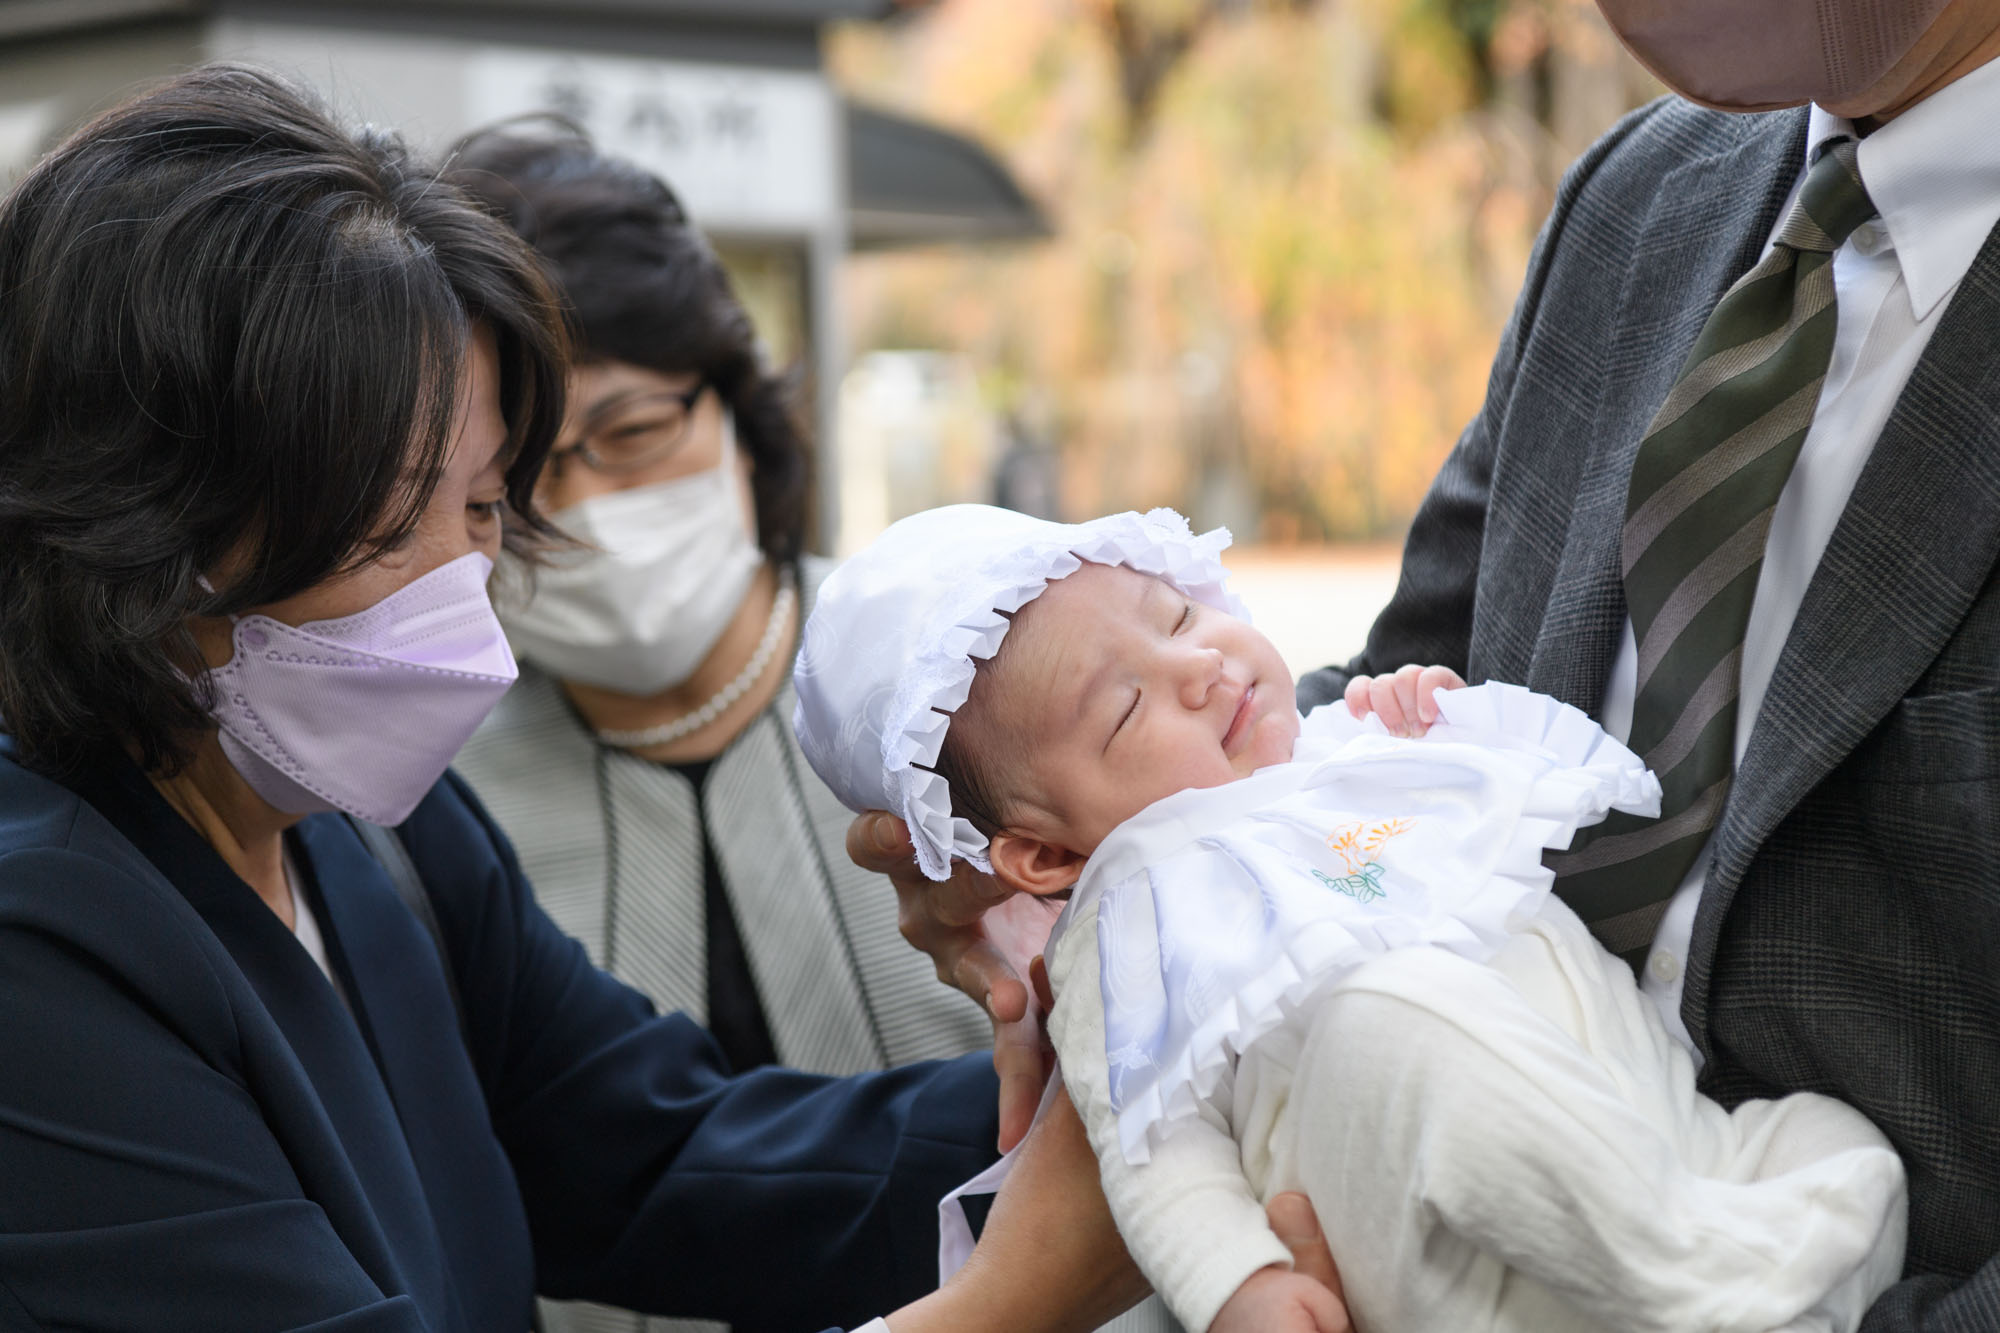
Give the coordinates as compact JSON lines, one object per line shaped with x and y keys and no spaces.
{"x":719,"y":11}
{"x":40,"y":18}
{"x":19,"y":18}
{"x":915,"y":184}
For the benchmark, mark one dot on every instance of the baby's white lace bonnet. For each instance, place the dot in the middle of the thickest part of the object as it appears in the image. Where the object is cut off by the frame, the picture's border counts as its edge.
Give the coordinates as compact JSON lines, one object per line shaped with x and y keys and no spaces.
{"x":888,"y":651}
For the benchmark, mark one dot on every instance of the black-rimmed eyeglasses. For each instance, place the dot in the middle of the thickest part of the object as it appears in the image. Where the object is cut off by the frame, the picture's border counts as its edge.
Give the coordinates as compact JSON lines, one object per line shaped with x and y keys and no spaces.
{"x":632,"y":433}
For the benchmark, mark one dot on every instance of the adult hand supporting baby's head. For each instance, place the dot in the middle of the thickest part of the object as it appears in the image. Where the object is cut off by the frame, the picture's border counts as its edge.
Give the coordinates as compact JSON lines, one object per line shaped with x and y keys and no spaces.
{"x":945,"y":919}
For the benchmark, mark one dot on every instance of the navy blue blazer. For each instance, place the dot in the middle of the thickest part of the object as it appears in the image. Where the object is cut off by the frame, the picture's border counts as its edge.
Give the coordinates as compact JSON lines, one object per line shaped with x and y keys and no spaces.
{"x":197,"y":1133}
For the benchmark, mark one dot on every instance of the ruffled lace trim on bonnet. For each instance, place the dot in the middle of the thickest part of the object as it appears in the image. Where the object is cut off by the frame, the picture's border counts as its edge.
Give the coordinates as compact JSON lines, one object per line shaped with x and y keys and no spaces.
{"x":971,"y":625}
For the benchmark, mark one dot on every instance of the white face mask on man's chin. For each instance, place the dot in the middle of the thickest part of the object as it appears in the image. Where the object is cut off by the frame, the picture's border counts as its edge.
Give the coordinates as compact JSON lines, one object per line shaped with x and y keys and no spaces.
{"x":1761,"y":55}
{"x":672,"y":564}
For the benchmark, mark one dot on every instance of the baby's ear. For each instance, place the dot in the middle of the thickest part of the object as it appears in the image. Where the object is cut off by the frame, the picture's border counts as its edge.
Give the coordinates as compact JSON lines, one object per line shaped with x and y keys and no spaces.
{"x":1030,"y":865}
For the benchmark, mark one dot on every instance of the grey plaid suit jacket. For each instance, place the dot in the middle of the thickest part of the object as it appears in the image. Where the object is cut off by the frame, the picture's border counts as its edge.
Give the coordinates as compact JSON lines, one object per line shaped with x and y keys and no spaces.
{"x":1848,"y":940}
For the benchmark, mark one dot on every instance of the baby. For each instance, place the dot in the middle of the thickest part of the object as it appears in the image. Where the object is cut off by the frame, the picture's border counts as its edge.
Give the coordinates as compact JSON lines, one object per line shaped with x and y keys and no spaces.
{"x":1314,"y":954}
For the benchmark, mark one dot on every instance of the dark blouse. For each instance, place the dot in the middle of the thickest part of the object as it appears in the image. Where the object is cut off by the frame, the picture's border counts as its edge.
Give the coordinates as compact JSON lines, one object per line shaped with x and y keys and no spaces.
{"x":735,"y":1011}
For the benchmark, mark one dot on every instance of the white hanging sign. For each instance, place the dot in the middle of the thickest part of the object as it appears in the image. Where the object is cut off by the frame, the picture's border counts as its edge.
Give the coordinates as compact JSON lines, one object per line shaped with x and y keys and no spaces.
{"x":744,"y":148}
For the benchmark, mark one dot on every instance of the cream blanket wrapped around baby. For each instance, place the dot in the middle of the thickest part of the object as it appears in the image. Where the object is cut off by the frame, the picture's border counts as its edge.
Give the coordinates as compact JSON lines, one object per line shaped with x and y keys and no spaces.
{"x":1347,"y":974}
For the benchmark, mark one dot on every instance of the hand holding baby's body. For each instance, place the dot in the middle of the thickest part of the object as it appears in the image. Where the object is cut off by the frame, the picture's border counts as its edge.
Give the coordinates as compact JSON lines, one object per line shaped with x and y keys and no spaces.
{"x":1274,"y":1300}
{"x":1405,"y":700}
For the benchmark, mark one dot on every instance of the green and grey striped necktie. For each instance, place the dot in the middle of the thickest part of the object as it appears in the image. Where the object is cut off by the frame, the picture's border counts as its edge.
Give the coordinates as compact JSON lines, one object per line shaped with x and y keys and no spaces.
{"x":1704,"y":484}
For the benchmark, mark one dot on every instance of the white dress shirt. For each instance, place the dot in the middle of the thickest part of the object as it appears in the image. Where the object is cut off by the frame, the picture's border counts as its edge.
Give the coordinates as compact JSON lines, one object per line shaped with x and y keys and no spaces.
{"x":1934,"y":175}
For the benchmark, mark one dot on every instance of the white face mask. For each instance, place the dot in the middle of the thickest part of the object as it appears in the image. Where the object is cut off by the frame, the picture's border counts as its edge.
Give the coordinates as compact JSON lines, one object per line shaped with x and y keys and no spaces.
{"x":640,"y":613}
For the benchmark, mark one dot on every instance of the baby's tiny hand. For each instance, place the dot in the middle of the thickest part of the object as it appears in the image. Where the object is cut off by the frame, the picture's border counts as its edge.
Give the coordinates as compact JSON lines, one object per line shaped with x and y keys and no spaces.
{"x":1406,"y":700}
{"x":1273,"y":1300}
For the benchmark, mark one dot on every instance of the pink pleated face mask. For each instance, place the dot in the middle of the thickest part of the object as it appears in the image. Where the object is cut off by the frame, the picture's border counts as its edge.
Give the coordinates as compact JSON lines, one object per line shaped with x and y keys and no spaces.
{"x":364,"y":714}
{"x":1759,"y":55}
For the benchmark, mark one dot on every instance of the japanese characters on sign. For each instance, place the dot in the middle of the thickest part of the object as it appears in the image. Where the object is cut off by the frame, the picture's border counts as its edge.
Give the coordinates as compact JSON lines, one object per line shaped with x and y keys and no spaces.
{"x":749,"y":149}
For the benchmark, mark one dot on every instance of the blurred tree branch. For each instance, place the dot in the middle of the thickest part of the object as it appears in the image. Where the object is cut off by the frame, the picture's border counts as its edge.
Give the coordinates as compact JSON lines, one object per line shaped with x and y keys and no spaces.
{"x":1149,"y":38}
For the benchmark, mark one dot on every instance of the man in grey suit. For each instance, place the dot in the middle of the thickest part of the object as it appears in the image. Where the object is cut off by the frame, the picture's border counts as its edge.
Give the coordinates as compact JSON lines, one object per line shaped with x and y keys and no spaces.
{"x":1735,"y":489}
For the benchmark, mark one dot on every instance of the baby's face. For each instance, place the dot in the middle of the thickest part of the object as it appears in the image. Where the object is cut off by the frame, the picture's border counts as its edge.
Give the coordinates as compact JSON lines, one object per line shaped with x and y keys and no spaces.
{"x":1119,"y":690}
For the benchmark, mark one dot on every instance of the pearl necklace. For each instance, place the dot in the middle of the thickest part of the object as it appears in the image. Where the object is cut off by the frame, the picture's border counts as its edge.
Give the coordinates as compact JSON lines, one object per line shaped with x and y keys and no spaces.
{"x":688,"y":723}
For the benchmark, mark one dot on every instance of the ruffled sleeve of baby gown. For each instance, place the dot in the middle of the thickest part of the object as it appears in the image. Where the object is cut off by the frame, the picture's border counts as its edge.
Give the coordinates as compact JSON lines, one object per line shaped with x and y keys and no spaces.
{"x":1223,"y":912}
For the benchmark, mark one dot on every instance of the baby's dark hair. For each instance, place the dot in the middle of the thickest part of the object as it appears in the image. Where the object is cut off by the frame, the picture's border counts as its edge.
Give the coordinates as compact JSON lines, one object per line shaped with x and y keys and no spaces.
{"x":968,"y":770}
{"x":973,"y":756}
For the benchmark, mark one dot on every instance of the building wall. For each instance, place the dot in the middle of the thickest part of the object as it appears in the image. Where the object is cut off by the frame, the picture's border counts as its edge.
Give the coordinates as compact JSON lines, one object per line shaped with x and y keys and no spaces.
{"x":755,"y":150}
{"x":49,"y":84}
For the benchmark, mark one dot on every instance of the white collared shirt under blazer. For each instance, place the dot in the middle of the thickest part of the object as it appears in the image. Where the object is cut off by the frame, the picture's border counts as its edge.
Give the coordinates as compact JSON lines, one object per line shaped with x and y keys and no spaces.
{"x":1933,"y":173}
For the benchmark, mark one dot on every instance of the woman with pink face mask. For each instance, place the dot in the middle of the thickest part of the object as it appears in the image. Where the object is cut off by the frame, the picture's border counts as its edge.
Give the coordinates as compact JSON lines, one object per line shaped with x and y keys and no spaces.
{"x":274,"y":400}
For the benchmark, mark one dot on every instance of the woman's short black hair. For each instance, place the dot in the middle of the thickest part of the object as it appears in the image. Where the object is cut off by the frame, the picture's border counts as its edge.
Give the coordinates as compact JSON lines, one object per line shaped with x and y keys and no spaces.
{"x":643,"y":286}
{"x":231,"y":337}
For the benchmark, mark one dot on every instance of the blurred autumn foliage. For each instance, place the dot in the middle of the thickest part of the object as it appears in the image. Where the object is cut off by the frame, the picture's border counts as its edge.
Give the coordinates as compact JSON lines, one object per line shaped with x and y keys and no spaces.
{"x":1288,"y":232}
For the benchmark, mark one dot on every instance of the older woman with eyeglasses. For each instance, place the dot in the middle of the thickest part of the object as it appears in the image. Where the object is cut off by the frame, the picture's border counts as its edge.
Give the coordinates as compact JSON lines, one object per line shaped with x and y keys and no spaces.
{"x":644,"y":764}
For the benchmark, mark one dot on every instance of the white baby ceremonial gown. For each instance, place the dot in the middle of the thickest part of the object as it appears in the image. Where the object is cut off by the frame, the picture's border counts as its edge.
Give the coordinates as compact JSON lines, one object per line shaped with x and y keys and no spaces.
{"x":1347,"y":974}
